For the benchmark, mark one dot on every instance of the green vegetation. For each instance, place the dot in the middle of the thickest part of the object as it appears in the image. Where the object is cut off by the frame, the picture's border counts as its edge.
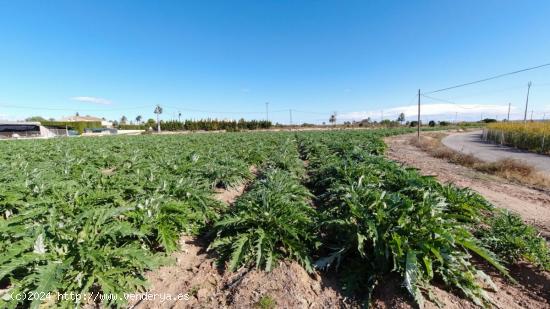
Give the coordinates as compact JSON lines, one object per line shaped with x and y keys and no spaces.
{"x":512,"y":240}
{"x":266,"y":302}
{"x":201,"y":124}
{"x":92,"y":215}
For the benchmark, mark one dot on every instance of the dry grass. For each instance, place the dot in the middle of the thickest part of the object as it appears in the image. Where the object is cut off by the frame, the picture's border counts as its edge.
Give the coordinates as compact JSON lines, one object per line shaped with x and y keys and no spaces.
{"x":507,"y":168}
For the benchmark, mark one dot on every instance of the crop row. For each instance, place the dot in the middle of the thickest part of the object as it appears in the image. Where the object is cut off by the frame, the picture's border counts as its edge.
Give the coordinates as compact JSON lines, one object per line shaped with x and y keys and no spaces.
{"x":377,"y":217}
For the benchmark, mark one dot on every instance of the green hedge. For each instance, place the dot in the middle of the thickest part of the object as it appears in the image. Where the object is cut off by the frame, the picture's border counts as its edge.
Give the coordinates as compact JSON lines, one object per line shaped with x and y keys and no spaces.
{"x":135,"y":126}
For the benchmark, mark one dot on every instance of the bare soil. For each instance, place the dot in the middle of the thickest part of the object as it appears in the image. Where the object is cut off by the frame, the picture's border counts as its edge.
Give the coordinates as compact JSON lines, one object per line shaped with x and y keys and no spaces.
{"x":205,"y":285}
{"x":532,"y":204}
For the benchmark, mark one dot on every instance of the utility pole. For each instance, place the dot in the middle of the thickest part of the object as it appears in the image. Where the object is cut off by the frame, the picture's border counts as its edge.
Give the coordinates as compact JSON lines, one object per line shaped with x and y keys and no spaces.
{"x":531,"y":115}
{"x":290,"y":114}
{"x":509,"y":104}
{"x":267,"y":111}
{"x":418,"y":124}
{"x":527,"y":102}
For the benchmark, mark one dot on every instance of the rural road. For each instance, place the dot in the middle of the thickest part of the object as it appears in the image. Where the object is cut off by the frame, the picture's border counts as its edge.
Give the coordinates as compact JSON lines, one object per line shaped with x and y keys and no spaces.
{"x":471,"y":143}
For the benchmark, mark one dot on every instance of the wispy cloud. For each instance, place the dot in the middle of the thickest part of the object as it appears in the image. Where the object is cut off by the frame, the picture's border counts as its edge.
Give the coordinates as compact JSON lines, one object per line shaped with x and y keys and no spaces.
{"x":93,"y":100}
{"x":432,"y":110}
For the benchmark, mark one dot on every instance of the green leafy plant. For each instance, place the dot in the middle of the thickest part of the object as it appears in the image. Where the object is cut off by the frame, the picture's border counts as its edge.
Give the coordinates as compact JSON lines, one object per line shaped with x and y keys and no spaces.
{"x":513,"y":240}
{"x":266,"y":302}
{"x":271,"y":221}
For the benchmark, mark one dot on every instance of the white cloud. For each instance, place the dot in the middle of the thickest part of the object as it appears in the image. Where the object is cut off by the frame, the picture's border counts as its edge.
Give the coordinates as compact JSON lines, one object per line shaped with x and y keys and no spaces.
{"x":93,"y":100}
{"x":433,"y":110}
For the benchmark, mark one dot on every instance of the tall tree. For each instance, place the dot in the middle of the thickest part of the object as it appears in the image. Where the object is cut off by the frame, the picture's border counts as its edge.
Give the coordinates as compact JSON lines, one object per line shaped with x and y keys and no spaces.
{"x":332,"y":118}
{"x":123,"y":120}
{"x":138,"y":119}
{"x":401,"y":118}
{"x":158,"y":111}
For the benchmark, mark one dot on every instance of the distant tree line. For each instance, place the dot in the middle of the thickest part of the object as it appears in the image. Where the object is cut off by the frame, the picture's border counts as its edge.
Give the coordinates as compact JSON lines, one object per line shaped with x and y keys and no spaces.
{"x":202,"y":124}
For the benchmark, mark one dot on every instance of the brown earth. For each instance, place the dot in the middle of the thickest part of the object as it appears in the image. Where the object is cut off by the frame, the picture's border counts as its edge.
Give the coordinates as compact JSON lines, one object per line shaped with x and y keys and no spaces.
{"x":204,"y":285}
{"x":532,"y":204}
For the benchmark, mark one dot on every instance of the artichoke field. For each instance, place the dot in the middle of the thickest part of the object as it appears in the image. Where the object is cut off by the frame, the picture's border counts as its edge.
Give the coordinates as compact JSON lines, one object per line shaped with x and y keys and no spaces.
{"x":92,"y":215}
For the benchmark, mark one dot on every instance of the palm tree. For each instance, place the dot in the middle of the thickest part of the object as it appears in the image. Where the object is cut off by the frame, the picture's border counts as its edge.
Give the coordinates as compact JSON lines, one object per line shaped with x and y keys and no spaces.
{"x":123,"y":120}
{"x":138,"y":119}
{"x":158,"y":111}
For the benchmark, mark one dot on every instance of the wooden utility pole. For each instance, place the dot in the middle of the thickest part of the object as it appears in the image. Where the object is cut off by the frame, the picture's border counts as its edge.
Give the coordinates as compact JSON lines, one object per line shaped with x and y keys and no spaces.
{"x":509,"y":104}
{"x":527,"y":102}
{"x":418,"y":124}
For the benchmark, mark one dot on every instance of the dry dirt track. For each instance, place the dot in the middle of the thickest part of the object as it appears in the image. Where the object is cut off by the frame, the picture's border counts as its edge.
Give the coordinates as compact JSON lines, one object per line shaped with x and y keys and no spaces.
{"x":531,"y":204}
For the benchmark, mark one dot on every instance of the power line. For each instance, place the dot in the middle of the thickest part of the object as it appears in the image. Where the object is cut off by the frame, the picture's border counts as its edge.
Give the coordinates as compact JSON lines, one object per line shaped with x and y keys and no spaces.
{"x":447,"y":101}
{"x":489,"y":78}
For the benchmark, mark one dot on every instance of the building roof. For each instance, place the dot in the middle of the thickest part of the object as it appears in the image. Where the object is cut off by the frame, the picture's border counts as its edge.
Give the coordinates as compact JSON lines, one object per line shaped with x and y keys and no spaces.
{"x":81,"y":118}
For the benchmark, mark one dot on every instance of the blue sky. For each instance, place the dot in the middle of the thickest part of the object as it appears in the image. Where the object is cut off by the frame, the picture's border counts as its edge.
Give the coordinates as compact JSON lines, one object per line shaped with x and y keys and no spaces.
{"x":358,"y":58}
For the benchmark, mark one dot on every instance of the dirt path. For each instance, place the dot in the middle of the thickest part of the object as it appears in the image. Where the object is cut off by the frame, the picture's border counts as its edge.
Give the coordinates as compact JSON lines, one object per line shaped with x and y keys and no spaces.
{"x":471,"y":143}
{"x":531,"y":204}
